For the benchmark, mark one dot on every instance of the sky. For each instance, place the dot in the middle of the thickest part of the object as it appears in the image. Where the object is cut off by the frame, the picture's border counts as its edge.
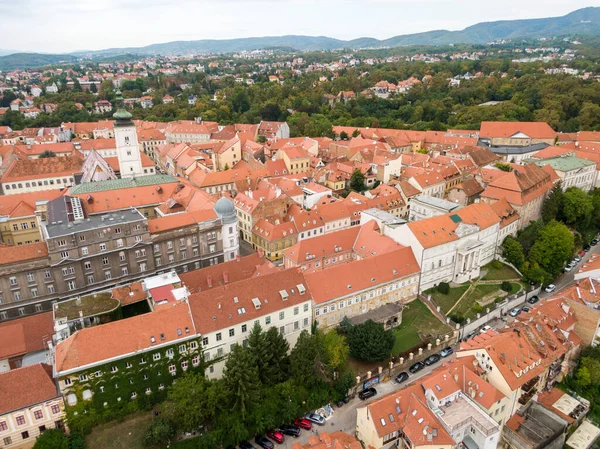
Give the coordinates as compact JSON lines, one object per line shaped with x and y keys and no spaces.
{"x":60,"y":26}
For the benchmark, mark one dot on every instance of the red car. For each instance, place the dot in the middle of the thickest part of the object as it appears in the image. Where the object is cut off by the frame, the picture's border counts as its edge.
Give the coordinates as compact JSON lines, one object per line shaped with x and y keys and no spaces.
{"x":276,"y":436}
{"x":581,"y":253}
{"x":303,"y":423}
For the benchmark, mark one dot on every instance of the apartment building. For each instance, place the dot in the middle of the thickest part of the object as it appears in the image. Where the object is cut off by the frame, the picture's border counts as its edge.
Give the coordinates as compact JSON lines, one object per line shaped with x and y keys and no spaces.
{"x":33,"y":175}
{"x":29,"y":404}
{"x":225,"y":314}
{"x":423,"y":206}
{"x":82,"y":253}
{"x":516,"y":133}
{"x":572,"y":171}
{"x":363,"y":286}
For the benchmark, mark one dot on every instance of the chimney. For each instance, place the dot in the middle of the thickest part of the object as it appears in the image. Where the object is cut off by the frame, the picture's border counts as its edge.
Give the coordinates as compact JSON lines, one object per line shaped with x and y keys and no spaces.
{"x":260,"y":252}
{"x":225,"y":277}
{"x":209,"y":281}
{"x":237,"y":257}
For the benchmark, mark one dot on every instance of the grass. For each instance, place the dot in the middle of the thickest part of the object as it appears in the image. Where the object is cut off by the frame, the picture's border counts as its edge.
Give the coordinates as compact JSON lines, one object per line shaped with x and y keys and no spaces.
{"x":466,"y":306}
{"x":447,"y":301}
{"x":91,"y":305}
{"x":417,"y":322}
{"x":127,"y":434}
{"x":499,"y":274}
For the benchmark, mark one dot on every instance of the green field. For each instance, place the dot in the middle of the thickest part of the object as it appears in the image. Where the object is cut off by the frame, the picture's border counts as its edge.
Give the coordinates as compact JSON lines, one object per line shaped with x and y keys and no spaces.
{"x":500,"y":274}
{"x":417,"y":321}
{"x":447,"y":301}
{"x":127,"y":434}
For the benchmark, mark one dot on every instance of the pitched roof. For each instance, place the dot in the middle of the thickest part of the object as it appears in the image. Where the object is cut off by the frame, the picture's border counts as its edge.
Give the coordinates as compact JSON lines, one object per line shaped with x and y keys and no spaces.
{"x":521,"y":186}
{"x":438,"y":230}
{"x":123,"y":337}
{"x":10,"y":254}
{"x":25,"y":335}
{"x":505,"y":211}
{"x":362,"y":274}
{"x":43,"y":168}
{"x":229,"y":304}
{"x":23,"y":204}
{"x":24,"y":387}
{"x":535,"y":130}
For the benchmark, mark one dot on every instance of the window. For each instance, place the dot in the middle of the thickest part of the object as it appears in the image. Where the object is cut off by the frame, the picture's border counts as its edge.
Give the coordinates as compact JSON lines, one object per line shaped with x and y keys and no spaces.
{"x":21,"y":310}
{"x":219,"y":336}
{"x":193,"y":345}
{"x":170,"y":353}
{"x":38,"y":307}
{"x":138,"y":238}
{"x":184,"y":365}
{"x":244,"y":328}
{"x":71,"y":285}
{"x":281,"y":315}
{"x":182,"y":349}
{"x":90,"y":279}
{"x":38,"y":414}
{"x":124,"y":271}
{"x":220,"y":352}
{"x":119,"y":243}
{"x":47,"y":274}
{"x":117,"y":230}
{"x":282,"y":330}
{"x":156,"y":248}
{"x":107,"y":275}
{"x":82,"y":238}
{"x":88,"y":265}
{"x":20,"y":420}
{"x":268,"y":320}
{"x":30,"y":277}
{"x":68,"y":381}
{"x":34,"y":292}
{"x":25,"y":435}
{"x":61,"y":243}
{"x":205,"y":341}
{"x":3,"y":426}
{"x":156,"y":356}
{"x":172,"y":369}
{"x":114,"y":369}
{"x":12,"y":280}
{"x":212,"y":248}
{"x":102,"y":246}
{"x":305,"y":322}
{"x":105,"y":261}
{"x":169,"y":245}
{"x":231,"y":332}
{"x":55,"y":409}
{"x":296,"y":310}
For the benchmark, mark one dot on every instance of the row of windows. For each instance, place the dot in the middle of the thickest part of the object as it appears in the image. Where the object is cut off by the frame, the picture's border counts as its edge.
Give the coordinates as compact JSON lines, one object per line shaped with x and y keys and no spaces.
{"x":25,"y":226}
{"x":38,"y":183}
{"x":37,"y":415}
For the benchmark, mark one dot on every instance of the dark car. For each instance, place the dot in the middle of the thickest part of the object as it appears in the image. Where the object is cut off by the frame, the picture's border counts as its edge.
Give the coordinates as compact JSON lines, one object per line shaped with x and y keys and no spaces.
{"x":276,"y":436}
{"x":290,"y":429}
{"x":367,"y":393}
{"x":446,"y":351}
{"x":533,"y":300}
{"x":416,"y":367}
{"x":433,"y":358}
{"x":525,"y":309}
{"x":263,"y":442}
{"x":586,"y":248}
{"x":402,"y":377}
{"x":470,"y":335}
{"x":246,"y":445}
{"x":303,"y":423}
{"x":594,"y":242}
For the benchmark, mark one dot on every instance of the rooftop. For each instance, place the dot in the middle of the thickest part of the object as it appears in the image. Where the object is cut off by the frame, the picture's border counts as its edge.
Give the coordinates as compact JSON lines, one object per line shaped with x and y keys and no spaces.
{"x":462,"y":412}
{"x":123,"y":183}
{"x":25,"y":387}
{"x":86,"y":306}
{"x":57,"y":229}
{"x":439,"y":203}
{"x":565,"y":163}
{"x":585,"y":435}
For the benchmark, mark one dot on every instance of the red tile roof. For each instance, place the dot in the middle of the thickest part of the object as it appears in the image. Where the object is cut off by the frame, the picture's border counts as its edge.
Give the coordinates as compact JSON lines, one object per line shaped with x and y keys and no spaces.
{"x":12,"y":254}
{"x":25,"y":335}
{"x":25,"y":387}
{"x":43,"y":168}
{"x":535,"y":130}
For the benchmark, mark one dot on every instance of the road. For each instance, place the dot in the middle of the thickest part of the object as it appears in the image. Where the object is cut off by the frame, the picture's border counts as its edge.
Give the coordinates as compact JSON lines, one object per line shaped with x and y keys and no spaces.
{"x":344,"y":418}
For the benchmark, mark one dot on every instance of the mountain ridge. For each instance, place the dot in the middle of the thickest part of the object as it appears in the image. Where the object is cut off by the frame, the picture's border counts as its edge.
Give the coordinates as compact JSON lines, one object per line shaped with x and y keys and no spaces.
{"x":585,"y":21}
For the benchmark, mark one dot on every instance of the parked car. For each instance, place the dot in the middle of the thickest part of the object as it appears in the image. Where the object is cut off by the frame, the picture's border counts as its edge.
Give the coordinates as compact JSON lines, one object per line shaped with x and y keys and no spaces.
{"x":594,"y":242}
{"x":525,"y":309}
{"x":290,"y":429}
{"x":246,"y":445}
{"x":470,"y":335}
{"x":533,"y":300}
{"x":514,"y":312}
{"x":276,"y":436}
{"x":577,"y":258}
{"x":263,"y":442}
{"x":315,"y":418}
{"x":550,"y":288}
{"x":586,"y":248}
{"x":581,"y":253}
{"x":416,"y":367}
{"x":446,"y":351}
{"x":433,"y":358}
{"x":303,"y":423}
{"x":568,"y":268}
{"x":485,"y":328}
{"x":402,"y":377}
{"x":367,"y":393}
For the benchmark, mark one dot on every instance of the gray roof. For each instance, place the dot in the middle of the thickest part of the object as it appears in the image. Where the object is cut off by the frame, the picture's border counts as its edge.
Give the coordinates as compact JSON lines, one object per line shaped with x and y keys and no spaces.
{"x":436,"y":202}
{"x":58,"y":229}
{"x":513,"y":149}
{"x":124,"y":183}
{"x":383,"y":216}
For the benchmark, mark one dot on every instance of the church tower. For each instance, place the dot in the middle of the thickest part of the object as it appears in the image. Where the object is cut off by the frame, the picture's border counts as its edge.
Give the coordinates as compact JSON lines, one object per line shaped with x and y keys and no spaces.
{"x":128,"y":149}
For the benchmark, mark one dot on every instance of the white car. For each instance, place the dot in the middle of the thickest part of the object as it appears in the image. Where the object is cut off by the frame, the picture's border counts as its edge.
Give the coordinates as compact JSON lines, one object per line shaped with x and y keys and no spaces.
{"x":568,"y":268}
{"x":550,"y":288}
{"x":485,"y":329}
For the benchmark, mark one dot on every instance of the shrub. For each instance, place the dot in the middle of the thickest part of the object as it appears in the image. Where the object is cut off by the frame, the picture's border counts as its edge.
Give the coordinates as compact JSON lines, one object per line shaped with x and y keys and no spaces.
{"x":76,"y":441}
{"x":458,"y":319}
{"x":496,"y":264}
{"x":159,"y":431}
{"x":506,"y":286}
{"x":478,"y":308}
{"x":52,"y":439}
{"x":443,"y":288}
{"x":370,"y":341}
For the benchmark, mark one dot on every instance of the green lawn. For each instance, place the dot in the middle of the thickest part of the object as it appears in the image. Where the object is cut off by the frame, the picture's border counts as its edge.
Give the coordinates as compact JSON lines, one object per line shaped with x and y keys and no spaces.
{"x":500,"y":274}
{"x":127,"y":434}
{"x":465,"y":308}
{"x":417,"y":321}
{"x":447,"y":301}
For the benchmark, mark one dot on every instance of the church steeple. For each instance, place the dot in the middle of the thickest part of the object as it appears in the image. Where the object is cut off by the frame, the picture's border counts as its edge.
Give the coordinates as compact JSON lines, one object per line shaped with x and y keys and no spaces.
{"x":122,"y":116}
{"x":128,"y":149}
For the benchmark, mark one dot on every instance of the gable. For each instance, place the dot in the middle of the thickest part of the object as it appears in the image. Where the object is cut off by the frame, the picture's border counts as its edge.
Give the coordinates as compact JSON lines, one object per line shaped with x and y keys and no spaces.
{"x":520,"y":135}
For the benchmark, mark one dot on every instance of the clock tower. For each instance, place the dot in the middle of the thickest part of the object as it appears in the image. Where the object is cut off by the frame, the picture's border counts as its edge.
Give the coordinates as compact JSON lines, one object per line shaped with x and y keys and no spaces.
{"x":128,"y":149}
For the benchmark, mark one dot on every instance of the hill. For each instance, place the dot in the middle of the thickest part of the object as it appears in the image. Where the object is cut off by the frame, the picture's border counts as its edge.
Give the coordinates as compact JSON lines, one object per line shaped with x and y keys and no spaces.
{"x":27,"y":60}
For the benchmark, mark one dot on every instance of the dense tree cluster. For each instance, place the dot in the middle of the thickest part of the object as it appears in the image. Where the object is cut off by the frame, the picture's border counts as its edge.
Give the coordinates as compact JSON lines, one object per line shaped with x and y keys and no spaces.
{"x":570,"y":220}
{"x":263,"y":386}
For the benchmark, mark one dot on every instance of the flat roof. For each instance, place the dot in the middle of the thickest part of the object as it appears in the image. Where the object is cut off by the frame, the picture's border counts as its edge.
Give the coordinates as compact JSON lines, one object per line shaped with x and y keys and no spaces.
{"x":123,"y":183}
{"x":514,"y":149}
{"x":384,"y":216}
{"x":86,"y":306}
{"x":565,"y":163}
{"x":57,"y":229}
{"x":584,"y":436}
{"x":566,"y":404}
{"x":446,"y":205}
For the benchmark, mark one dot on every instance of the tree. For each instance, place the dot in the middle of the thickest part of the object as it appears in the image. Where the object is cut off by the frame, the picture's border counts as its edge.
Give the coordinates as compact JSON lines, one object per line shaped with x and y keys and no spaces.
{"x":343,"y":384}
{"x":512,"y":251}
{"x":369,"y":341}
{"x":343,"y":135}
{"x":337,"y":350}
{"x":443,"y":288}
{"x":241,"y":380}
{"x":187,"y":402}
{"x":93,"y":88}
{"x":553,"y":248}
{"x":308,"y":360}
{"x":577,"y":206}
{"x":506,"y":286}
{"x":504,"y":167}
{"x":160,"y":431}
{"x":356,"y":133}
{"x":52,"y":439}
{"x":552,"y":203}
{"x":46,"y":154}
{"x":357,"y":181}
{"x":593,"y":367}
{"x":582,"y":377}
{"x":279,"y":361}
{"x":345,"y":325}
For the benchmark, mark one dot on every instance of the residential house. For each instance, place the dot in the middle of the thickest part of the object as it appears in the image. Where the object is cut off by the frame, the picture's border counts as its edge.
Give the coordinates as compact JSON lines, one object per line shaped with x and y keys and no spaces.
{"x":102,"y":106}
{"x":24,"y":176}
